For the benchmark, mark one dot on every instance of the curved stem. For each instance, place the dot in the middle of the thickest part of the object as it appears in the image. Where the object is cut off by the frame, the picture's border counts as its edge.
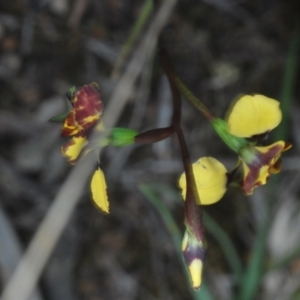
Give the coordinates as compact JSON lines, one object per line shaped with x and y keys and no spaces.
{"x":195,"y":101}
{"x":154,"y":135}
{"x":184,"y":90}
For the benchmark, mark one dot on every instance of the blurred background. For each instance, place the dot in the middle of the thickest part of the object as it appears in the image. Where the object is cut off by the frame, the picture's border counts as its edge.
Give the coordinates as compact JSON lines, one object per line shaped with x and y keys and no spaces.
{"x":220,"y":48}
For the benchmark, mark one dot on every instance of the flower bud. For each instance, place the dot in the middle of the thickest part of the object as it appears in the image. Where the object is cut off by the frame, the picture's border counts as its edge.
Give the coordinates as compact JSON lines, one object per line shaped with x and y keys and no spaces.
{"x":193,"y":252}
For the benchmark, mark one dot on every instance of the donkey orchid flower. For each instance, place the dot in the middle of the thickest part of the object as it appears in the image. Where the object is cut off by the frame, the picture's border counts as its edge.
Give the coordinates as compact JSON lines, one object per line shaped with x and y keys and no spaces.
{"x":85,"y":114}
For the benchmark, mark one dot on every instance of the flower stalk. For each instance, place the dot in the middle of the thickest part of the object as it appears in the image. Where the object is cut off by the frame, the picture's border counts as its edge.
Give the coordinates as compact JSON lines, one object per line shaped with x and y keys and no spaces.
{"x":183,"y":89}
{"x":193,"y":248}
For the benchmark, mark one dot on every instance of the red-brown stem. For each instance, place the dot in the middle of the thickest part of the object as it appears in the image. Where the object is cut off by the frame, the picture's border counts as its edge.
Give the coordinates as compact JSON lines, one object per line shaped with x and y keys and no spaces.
{"x":193,"y":216}
{"x":154,"y":135}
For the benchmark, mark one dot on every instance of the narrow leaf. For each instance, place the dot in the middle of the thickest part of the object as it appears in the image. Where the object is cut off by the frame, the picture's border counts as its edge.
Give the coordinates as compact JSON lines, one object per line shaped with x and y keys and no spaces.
{"x":59,"y":119}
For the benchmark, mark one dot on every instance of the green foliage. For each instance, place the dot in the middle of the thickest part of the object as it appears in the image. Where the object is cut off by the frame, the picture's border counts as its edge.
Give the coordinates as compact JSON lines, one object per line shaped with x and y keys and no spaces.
{"x":59,"y":118}
{"x":150,"y":194}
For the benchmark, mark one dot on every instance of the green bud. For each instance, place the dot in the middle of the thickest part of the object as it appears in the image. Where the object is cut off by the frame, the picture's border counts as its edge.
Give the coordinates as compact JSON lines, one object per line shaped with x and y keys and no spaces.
{"x":233,"y":142}
{"x":122,"y":137}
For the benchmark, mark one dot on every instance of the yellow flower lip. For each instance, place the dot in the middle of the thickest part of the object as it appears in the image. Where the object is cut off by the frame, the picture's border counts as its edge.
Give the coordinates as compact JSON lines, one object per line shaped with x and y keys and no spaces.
{"x":265,"y":162}
{"x":86,"y":109}
{"x":252,"y":115}
{"x":211,"y":179}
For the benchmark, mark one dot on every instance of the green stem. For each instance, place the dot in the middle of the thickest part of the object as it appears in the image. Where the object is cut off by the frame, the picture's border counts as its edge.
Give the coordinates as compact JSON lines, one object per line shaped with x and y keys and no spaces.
{"x":184,"y":90}
{"x":164,"y":212}
{"x":226,"y":245}
{"x":135,"y":32}
{"x":195,"y":101}
{"x":255,"y":270}
{"x":289,"y":81}
{"x":233,"y":142}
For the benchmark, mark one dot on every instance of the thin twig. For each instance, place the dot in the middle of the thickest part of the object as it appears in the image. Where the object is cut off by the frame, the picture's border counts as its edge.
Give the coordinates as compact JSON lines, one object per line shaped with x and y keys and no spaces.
{"x":10,"y":252}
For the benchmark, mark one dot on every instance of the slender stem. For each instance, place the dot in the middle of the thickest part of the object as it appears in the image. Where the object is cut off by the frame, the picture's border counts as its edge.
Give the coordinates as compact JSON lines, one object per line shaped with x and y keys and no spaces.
{"x":188,"y":94}
{"x":176,"y":118}
{"x":185,"y":91}
{"x":139,"y":25}
{"x":289,"y":82}
{"x":193,"y":215}
{"x":154,"y":135}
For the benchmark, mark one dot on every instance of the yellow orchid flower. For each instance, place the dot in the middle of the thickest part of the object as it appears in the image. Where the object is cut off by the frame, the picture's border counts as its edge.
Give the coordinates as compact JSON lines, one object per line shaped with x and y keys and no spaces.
{"x":86,"y":111}
{"x":85,"y":114}
{"x":253,"y":115}
{"x":211,"y":180}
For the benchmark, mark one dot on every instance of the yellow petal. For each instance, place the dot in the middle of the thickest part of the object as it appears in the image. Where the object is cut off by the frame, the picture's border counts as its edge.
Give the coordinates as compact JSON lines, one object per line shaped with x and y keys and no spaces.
{"x":211,"y":180}
{"x":252,"y":115}
{"x":99,"y":190}
{"x":195,"y":270}
{"x":281,"y":147}
{"x":72,"y":149}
